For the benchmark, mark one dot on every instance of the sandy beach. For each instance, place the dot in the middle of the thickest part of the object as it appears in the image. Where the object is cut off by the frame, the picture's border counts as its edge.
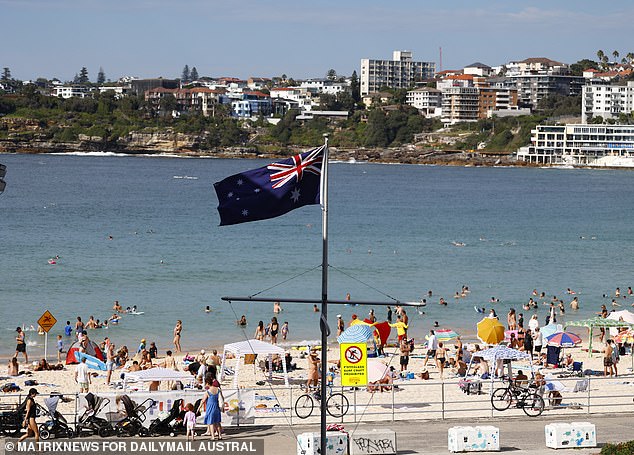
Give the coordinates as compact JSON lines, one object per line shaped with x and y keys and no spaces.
{"x":412,"y":398}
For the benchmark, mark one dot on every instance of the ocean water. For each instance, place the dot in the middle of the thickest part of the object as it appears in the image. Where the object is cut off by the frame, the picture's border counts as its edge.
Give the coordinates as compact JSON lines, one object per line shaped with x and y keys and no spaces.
{"x":391,"y":234}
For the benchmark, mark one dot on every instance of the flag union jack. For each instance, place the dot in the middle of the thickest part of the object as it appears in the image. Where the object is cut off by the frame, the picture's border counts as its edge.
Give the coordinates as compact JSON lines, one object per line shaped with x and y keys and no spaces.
{"x":282,"y":173}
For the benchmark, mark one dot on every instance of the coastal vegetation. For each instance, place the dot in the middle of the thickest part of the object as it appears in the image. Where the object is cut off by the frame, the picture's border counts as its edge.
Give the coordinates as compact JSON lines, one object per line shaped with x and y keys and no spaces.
{"x":27,"y":114}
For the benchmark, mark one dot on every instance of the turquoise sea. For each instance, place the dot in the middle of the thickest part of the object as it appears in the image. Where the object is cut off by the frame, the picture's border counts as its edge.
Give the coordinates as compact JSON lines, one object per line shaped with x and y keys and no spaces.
{"x":391,"y":234}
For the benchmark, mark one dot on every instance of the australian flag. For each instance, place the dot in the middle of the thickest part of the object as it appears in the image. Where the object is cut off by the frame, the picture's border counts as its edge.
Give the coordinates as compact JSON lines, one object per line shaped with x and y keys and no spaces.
{"x":272,"y":190}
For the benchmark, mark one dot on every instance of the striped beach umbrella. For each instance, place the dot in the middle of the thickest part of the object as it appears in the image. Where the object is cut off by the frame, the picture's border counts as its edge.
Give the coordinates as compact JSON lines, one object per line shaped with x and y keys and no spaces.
{"x":563,"y":339}
{"x":446,"y":334}
{"x":359,"y":333}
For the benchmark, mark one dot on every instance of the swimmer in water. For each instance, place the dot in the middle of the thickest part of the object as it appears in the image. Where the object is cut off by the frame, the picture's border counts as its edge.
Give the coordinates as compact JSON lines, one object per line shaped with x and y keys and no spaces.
{"x":208,"y":310}
{"x":277,"y":307}
{"x":442,"y":302}
{"x":242,"y":321}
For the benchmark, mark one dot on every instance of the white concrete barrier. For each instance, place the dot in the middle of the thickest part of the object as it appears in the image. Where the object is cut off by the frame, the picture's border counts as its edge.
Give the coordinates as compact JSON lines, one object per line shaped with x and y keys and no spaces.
{"x":473,"y":439}
{"x":561,"y":435}
{"x":309,"y":443}
{"x":375,"y":442}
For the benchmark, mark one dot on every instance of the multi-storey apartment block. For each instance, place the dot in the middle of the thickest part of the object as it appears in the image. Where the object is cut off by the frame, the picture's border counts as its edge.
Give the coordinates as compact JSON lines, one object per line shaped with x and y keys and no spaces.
{"x":600,"y":99}
{"x":400,"y":72}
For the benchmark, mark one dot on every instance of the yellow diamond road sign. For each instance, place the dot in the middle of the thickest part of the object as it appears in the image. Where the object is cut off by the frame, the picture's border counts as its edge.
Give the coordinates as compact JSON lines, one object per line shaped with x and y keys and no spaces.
{"x":47,"y":321}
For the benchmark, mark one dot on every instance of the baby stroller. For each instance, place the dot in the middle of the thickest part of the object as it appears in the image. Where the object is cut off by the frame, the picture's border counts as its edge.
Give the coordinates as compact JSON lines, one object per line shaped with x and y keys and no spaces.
{"x":168,"y":424}
{"x":89,"y":422}
{"x":132,"y":424}
{"x":11,"y":417}
{"x":57,"y":425}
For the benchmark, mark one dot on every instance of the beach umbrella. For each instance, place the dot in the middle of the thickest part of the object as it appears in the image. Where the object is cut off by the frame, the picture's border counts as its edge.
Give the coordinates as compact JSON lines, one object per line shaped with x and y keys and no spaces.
{"x":550,"y":329}
{"x":359,"y":333}
{"x":563,"y":339}
{"x":446,"y":334}
{"x":490,"y":331}
{"x":376,"y":370}
{"x":625,"y":337}
{"x":623,"y":316}
{"x":502,"y":353}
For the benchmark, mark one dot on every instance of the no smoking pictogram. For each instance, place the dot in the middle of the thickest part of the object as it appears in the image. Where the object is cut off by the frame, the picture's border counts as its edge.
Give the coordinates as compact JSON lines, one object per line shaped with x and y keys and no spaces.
{"x":354,"y":354}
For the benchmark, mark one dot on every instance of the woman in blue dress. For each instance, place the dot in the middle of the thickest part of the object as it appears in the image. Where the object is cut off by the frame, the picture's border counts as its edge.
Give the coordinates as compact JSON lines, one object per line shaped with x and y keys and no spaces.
{"x":212,"y":413}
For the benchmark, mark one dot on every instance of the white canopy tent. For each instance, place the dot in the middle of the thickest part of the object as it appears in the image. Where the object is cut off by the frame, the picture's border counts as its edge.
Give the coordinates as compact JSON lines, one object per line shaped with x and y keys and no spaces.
{"x":157,"y":374}
{"x":242,"y":348}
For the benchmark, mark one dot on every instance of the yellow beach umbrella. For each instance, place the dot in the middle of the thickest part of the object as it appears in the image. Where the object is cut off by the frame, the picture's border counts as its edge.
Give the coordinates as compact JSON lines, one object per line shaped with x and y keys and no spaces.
{"x":490,"y":331}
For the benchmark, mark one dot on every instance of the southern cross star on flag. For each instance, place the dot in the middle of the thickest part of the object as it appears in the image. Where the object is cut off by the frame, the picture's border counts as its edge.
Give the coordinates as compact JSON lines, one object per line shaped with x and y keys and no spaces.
{"x":272,"y":190}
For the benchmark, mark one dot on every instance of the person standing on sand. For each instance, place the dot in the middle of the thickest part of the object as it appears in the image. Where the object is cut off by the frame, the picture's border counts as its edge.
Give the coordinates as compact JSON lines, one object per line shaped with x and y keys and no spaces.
{"x":284,"y":330}
{"x":177,"y":335}
{"x":82,"y":376}
{"x":340,"y":325}
{"x":404,"y":360}
{"x":511,"y":320}
{"x":20,"y":344}
{"x":110,"y":359}
{"x":607,"y":359}
{"x":441,"y":357}
{"x":313,"y":370}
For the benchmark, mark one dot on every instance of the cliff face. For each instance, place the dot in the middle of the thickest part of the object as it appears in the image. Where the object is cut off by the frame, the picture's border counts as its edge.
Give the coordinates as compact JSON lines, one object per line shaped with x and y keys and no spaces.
{"x":168,"y":142}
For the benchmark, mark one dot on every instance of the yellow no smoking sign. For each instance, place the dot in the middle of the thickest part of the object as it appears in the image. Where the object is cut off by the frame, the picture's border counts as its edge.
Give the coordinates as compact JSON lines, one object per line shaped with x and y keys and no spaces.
{"x":354,"y":364}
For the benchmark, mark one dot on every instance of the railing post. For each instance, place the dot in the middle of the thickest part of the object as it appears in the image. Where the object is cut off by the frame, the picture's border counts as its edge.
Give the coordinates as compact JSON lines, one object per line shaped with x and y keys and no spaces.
{"x":342,"y":415}
{"x":442,"y":397}
{"x":589,"y":388}
{"x":392,"y":401}
{"x":354,"y":398}
{"x":290,"y":405}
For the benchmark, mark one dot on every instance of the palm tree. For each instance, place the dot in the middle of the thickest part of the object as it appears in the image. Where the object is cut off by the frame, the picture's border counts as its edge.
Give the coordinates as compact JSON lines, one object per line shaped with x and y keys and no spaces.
{"x":600,"y":55}
{"x":630,"y":56}
{"x":615,"y":54}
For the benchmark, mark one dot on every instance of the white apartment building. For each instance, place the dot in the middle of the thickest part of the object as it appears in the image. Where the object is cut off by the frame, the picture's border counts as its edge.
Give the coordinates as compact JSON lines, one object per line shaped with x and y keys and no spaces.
{"x":70,"y":91}
{"x":600,"y":99}
{"x":300,"y":95}
{"x":325,"y":86}
{"x":460,"y":104}
{"x":536,"y":65}
{"x":427,"y":100}
{"x":400,"y":72}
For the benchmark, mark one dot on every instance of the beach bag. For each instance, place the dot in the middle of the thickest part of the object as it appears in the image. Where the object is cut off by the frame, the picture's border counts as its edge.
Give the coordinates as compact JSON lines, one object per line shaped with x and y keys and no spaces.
{"x":424,"y":374}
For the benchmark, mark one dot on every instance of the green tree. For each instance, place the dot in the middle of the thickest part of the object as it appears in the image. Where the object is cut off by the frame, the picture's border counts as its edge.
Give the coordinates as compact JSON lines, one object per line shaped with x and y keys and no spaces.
{"x":578,"y":68}
{"x":630,"y":57}
{"x":331,"y":75}
{"x":168,"y":104}
{"x":6,"y":74}
{"x":101,"y":76}
{"x":355,"y":87}
{"x":615,"y":54}
{"x":185,"y":75}
{"x":193,"y":75}
{"x":83,"y":76}
{"x":376,"y":133}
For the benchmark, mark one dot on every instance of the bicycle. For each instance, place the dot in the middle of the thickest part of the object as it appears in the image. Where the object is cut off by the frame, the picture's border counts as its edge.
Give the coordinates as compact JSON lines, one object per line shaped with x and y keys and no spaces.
{"x":337,"y":404}
{"x":526,"y":398}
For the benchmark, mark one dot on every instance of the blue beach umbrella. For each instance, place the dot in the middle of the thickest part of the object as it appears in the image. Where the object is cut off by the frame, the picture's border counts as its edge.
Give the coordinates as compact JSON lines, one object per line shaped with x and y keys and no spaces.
{"x":550,"y":329}
{"x":359,"y":333}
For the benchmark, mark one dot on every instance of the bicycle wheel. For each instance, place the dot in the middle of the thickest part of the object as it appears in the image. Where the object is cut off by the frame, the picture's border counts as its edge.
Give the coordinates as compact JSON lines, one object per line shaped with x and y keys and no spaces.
{"x":533,"y":405}
{"x":304,"y":406}
{"x":501,"y":399}
{"x":337,"y":405}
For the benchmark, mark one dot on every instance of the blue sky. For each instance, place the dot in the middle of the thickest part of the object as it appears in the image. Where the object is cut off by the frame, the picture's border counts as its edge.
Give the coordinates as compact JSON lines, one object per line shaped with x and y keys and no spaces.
{"x":151,"y":38}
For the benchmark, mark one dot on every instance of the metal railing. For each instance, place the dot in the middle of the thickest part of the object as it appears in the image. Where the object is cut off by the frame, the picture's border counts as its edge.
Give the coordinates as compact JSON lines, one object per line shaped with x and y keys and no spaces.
{"x":405,"y":400}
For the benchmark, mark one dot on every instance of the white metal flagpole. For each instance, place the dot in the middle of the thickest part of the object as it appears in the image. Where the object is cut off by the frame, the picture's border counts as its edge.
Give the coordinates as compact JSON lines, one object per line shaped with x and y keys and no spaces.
{"x":325,"y":330}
